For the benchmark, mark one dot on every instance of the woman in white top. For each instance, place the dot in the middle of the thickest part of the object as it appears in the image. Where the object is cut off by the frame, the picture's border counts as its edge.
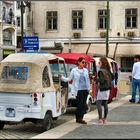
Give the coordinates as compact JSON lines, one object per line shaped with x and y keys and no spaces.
{"x":80,"y":87}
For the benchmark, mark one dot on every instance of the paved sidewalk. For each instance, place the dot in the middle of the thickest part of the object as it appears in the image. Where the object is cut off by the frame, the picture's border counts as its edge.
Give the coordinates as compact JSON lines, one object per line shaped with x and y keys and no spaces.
{"x":123,"y":122}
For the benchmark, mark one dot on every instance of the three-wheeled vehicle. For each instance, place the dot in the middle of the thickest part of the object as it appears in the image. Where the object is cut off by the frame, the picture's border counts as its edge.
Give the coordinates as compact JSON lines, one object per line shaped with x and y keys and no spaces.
{"x":114,"y":69}
{"x":30,"y":89}
{"x":70,"y":60}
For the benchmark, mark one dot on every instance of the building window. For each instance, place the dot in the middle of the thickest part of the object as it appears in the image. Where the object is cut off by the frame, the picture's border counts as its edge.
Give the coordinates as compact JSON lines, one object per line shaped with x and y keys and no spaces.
{"x":127,"y":64}
{"x":30,"y":19}
{"x":131,"y":18}
{"x":19,"y":45}
{"x":77,"y":19}
{"x":4,"y":14}
{"x":7,"y":38}
{"x":8,"y":13}
{"x":102,"y":19}
{"x":18,"y":4}
{"x":18,"y":21}
{"x":52,"y":20}
{"x":11,"y":16}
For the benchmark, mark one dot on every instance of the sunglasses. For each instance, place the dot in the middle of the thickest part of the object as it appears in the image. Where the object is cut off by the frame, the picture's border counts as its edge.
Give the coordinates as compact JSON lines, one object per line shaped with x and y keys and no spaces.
{"x":83,"y":62}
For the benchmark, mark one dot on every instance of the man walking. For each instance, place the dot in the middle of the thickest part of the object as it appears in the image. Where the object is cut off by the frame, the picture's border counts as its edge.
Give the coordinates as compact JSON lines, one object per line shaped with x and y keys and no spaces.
{"x":135,"y":78}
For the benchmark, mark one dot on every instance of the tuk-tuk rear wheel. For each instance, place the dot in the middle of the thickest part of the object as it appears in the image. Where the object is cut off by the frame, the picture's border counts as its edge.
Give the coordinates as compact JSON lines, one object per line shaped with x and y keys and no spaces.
{"x":47,"y":121}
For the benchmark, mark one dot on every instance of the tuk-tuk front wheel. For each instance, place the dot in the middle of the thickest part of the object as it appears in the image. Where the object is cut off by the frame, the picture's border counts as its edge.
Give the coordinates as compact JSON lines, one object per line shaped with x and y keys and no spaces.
{"x":47,"y":121}
{"x":2,"y":125}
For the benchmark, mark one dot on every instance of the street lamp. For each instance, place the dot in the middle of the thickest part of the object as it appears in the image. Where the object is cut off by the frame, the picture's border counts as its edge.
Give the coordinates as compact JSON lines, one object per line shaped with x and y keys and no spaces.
{"x":22,"y":9}
{"x":23,"y":4}
{"x":22,"y":12}
{"x":107,"y":29}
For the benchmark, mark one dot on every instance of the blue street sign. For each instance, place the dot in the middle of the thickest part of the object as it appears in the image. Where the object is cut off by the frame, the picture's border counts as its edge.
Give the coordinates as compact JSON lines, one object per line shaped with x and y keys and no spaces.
{"x":30,"y":43}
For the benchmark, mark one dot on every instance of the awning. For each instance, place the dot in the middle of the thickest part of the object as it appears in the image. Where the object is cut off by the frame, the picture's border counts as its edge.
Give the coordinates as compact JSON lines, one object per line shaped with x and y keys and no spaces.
{"x":100,"y":49}
{"x":75,"y":48}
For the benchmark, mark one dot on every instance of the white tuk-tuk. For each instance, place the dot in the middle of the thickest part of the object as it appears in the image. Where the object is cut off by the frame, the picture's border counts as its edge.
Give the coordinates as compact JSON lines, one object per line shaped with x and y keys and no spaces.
{"x":30,"y":89}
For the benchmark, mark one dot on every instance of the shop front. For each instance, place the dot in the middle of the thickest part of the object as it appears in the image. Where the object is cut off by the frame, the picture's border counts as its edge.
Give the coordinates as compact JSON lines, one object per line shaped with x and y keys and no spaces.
{"x":7,"y":52}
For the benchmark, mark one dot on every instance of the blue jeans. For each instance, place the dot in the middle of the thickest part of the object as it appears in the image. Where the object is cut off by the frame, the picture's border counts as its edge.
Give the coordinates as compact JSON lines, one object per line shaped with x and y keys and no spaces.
{"x":135,"y":84}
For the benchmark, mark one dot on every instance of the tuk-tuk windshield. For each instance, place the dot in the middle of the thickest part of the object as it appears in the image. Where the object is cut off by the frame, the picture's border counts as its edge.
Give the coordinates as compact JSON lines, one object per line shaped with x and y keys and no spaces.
{"x":69,"y":67}
{"x":57,"y":69}
{"x":16,"y":74}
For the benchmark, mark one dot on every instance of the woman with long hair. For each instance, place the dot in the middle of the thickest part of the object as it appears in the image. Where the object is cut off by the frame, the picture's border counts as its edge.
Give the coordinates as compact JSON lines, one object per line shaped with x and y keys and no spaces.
{"x":104,"y":80}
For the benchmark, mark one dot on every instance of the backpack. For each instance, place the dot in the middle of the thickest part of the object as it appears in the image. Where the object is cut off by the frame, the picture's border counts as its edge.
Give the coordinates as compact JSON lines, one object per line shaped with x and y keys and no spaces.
{"x":107,"y":76}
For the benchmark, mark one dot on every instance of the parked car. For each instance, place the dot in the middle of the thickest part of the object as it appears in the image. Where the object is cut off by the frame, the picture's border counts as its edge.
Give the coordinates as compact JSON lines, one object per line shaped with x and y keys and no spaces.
{"x":30,"y":90}
{"x":70,"y":60}
{"x":114,"y":69}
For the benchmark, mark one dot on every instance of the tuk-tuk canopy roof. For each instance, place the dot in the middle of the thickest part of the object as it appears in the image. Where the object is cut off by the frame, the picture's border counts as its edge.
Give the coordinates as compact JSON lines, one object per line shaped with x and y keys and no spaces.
{"x":71,"y":58}
{"x":109,"y":59}
{"x":34,"y":58}
{"x":36,"y":63}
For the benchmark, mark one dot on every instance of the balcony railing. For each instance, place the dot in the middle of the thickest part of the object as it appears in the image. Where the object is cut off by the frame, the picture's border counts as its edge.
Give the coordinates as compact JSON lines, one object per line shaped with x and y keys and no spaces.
{"x":9,"y":21}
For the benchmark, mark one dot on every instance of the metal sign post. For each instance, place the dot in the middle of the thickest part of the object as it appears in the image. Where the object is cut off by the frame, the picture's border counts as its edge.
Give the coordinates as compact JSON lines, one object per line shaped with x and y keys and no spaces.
{"x":107,"y":29}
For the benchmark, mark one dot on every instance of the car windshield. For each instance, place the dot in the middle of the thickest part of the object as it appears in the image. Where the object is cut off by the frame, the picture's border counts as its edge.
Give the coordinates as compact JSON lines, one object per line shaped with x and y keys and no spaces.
{"x":14,"y":74}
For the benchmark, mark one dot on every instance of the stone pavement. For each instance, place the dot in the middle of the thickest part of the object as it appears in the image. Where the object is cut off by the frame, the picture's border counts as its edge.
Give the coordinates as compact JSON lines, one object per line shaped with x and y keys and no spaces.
{"x":123,"y":122}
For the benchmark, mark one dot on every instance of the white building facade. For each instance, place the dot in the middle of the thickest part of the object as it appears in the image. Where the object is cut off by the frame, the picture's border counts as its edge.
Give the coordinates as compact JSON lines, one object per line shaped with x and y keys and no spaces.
{"x":82,"y":28}
{"x":7,"y":28}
